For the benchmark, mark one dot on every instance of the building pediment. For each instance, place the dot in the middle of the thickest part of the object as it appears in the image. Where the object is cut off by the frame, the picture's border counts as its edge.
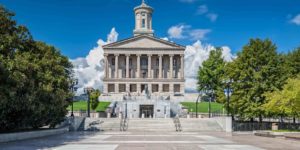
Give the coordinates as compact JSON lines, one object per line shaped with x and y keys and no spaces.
{"x":143,"y":42}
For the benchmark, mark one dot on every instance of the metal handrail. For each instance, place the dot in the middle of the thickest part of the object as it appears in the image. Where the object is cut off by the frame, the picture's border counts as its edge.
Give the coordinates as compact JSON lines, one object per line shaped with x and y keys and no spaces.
{"x":124,"y":124}
{"x":177,"y":124}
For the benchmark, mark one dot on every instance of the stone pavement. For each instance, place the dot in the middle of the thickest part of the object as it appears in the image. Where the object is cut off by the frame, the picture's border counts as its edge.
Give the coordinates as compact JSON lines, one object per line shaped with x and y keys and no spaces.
{"x":153,"y":141}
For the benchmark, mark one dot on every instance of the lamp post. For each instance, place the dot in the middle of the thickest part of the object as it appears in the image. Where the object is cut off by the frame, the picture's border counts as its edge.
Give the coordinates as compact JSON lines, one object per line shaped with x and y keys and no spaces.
{"x":126,"y":110}
{"x":209,"y":91}
{"x":211,"y":98}
{"x":228,"y":92}
{"x":73,"y":89}
{"x":197,"y":102}
{"x":88,"y":91}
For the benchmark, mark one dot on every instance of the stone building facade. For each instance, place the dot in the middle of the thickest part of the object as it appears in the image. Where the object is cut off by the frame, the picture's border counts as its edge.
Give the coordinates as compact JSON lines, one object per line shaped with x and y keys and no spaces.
{"x":144,"y":64}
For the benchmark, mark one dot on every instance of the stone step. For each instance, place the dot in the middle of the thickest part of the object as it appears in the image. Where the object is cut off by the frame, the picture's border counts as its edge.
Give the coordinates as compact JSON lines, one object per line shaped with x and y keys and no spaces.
{"x":206,"y":124}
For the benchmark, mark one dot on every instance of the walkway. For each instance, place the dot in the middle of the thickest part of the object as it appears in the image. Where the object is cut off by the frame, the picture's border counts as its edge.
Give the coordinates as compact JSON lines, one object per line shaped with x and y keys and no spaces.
{"x":152,"y":141}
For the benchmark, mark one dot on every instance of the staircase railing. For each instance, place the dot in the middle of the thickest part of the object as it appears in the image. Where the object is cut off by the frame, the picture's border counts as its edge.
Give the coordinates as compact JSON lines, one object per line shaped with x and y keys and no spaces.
{"x":124,"y":124}
{"x":177,"y":124}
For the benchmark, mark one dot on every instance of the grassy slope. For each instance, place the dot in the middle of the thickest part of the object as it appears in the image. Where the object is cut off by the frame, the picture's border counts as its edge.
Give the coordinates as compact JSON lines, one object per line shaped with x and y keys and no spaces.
{"x":202,"y":107}
{"x":82,"y":105}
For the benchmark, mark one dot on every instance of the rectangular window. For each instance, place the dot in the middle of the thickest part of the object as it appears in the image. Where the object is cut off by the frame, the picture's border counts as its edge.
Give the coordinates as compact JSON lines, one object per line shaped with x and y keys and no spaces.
{"x":143,"y":23}
{"x":113,"y":61}
{"x":130,"y":62}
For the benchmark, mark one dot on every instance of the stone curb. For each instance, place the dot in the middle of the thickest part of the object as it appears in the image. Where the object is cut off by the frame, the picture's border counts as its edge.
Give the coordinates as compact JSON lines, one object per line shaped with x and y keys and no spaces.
{"x":10,"y":137}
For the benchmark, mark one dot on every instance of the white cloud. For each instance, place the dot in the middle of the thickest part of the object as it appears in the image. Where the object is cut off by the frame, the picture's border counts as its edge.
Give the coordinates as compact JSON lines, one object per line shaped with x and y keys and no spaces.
{"x":199,"y":34}
{"x":202,"y":9}
{"x":195,"y":55}
{"x":212,"y":17}
{"x":90,"y":70}
{"x":176,"y":32}
{"x":165,"y":38}
{"x":296,"y":20}
{"x":186,"y":31}
{"x":188,"y":1}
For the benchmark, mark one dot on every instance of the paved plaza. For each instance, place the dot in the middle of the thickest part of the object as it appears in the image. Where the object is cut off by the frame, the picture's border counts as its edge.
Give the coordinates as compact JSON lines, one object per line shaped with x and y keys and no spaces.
{"x":153,"y":141}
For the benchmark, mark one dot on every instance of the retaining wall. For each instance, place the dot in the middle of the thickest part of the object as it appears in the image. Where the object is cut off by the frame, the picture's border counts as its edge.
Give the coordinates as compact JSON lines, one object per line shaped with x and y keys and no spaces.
{"x":9,"y":137}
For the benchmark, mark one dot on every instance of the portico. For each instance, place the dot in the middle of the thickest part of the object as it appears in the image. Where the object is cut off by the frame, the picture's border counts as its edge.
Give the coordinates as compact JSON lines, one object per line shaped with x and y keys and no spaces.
{"x":132,"y":72}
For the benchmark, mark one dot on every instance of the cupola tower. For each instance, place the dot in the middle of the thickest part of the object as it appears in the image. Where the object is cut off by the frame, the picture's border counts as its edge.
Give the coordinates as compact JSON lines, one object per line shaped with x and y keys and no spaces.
{"x":143,"y":19}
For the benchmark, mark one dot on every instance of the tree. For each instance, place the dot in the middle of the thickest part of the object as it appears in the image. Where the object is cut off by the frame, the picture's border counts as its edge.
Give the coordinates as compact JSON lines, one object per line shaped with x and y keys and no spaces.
{"x":211,"y":74}
{"x":285,"y":102}
{"x":34,"y":79}
{"x":94,"y":99}
{"x":293,"y":62}
{"x":256,"y":70}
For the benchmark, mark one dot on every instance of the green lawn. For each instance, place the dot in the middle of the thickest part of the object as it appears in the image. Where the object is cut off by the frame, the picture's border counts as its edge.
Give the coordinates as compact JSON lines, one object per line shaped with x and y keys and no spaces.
{"x":203,"y":106}
{"x":82,"y":105}
{"x":286,"y":130}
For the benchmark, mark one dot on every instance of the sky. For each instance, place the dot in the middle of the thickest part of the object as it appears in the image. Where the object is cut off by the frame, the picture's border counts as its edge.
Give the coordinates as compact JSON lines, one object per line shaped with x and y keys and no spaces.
{"x":79,"y":28}
{"x":74,"y":26}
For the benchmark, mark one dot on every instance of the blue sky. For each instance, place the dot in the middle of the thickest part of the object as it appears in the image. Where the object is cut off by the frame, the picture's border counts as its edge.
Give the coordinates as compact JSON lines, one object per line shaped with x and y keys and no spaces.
{"x":74,"y":26}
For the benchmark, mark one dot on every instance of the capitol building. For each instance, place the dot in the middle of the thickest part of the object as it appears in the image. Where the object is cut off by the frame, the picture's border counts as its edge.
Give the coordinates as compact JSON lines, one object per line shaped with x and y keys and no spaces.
{"x":144,"y":75}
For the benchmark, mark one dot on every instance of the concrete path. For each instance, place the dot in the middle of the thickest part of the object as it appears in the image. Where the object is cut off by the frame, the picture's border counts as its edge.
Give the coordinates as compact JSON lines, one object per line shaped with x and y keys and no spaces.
{"x":152,"y":141}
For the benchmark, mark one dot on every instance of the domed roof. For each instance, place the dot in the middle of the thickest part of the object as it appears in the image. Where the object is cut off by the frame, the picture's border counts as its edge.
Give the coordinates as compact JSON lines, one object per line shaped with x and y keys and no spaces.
{"x":143,"y":6}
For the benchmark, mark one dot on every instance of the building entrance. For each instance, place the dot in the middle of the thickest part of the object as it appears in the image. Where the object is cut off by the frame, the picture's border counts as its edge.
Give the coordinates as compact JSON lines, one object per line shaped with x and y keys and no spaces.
{"x":147,"y":110}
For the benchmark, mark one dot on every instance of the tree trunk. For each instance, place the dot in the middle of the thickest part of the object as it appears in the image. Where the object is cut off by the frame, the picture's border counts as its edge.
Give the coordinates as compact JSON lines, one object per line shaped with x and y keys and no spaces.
{"x":294,"y":120}
{"x":260,"y":119}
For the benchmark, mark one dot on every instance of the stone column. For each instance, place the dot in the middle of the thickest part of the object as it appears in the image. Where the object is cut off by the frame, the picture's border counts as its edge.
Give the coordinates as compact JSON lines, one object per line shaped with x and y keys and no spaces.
{"x":106,"y":65}
{"x":138,"y":87}
{"x":182,"y":66}
{"x":127,"y":66}
{"x":160,"y":87}
{"x":182,"y":88}
{"x":116,"y":88}
{"x":171,"y":88}
{"x":150,"y":88}
{"x":171,"y":67}
{"x":138,"y":63}
{"x":149,"y":66}
{"x":160,"y":66}
{"x":116,"y":66}
{"x":127,"y":87}
{"x":105,"y":88}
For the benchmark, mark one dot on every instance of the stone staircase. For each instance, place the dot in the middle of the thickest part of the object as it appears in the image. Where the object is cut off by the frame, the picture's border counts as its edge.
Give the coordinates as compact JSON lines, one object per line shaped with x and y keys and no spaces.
{"x":100,"y":124}
{"x":151,"y":125}
{"x":110,"y":124}
{"x":199,"y":125}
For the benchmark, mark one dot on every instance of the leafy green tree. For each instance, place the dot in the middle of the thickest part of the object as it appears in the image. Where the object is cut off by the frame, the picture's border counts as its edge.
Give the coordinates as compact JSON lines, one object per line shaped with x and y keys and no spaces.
{"x":293,"y":62}
{"x":34,"y":79}
{"x":211,"y":74}
{"x":256,"y":70}
{"x":94,"y":99}
{"x":285,"y":102}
